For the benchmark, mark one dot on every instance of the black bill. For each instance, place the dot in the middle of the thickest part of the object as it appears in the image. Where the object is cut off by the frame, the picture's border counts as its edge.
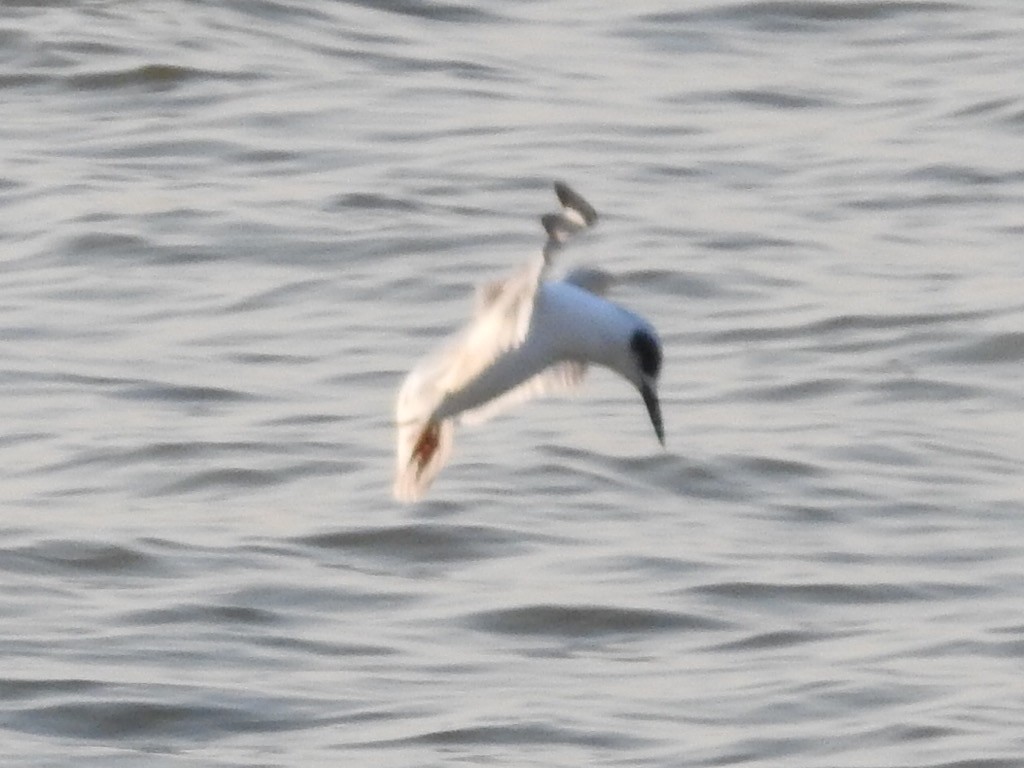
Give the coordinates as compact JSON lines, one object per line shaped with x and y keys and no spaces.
{"x":653,"y":409}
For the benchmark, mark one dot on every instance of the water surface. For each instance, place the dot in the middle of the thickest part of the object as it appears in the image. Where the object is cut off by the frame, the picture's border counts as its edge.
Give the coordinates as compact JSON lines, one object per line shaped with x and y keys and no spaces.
{"x":229,"y":229}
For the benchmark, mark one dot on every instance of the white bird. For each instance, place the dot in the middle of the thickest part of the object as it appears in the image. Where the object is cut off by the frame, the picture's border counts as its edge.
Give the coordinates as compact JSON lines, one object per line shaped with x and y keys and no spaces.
{"x":528,"y":337}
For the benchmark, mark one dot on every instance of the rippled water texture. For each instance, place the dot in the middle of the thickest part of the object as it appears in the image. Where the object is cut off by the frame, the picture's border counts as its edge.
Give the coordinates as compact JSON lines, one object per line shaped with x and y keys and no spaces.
{"x":228,"y":230}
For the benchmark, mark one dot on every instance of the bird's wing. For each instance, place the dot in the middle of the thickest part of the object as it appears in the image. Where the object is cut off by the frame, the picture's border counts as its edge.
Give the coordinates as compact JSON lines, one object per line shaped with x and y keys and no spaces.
{"x":500,"y":323}
{"x":576,"y":215}
{"x":424,"y":445}
{"x":504,"y":307}
{"x":495,"y":329}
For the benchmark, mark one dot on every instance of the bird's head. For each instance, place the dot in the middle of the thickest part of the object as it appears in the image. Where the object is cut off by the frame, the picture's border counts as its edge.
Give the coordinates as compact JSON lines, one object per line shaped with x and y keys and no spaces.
{"x":645,"y":367}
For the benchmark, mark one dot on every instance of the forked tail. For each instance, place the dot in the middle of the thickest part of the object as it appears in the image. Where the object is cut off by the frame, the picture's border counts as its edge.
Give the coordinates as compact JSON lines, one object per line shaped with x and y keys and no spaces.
{"x":423,"y":449}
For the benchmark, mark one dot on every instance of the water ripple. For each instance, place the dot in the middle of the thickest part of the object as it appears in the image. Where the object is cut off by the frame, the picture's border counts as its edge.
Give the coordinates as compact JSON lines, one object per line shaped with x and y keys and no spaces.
{"x":586,"y":621}
{"x":419,"y":542}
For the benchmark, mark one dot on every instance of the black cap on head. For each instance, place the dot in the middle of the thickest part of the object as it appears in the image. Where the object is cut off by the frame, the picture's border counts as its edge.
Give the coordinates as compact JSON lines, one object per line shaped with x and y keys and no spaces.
{"x":647,"y":351}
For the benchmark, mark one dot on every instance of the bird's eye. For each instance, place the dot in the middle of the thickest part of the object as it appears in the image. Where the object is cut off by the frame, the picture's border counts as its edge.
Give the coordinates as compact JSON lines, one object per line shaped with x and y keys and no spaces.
{"x":648,"y":353}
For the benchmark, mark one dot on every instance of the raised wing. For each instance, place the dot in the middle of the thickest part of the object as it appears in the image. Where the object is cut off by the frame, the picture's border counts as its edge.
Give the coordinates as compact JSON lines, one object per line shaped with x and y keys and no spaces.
{"x":504,"y":307}
{"x":576,"y":215}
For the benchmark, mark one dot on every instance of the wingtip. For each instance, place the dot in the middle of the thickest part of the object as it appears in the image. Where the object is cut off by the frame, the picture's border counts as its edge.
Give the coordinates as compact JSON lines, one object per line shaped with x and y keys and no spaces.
{"x":423,"y":450}
{"x":573,"y":200}
{"x":576,"y":214}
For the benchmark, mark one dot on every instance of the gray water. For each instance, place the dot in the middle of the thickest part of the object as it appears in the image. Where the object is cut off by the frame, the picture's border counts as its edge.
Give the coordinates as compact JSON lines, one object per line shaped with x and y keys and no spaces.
{"x":228,"y":229}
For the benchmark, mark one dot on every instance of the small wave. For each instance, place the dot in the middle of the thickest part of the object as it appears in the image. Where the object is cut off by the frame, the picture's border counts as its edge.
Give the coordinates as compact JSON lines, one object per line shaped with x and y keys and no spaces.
{"x":1001,"y":348}
{"x":456,"y":13}
{"x":181,"y":393}
{"x":132,"y":719}
{"x":418,"y":542}
{"x":776,"y":99}
{"x":775,"y":640}
{"x":830,"y":594}
{"x":229,"y":479}
{"x":587,"y":621}
{"x":772,"y":467}
{"x":206,"y":615}
{"x":75,"y":556}
{"x":795,"y":391}
{"x":156,"y":77}
{"x":843,"y":323}
{"x":795,"y":15}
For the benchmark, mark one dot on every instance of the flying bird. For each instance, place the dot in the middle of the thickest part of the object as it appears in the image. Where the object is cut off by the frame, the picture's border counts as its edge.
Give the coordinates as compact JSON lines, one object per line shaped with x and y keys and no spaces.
{"x":528,"y":337}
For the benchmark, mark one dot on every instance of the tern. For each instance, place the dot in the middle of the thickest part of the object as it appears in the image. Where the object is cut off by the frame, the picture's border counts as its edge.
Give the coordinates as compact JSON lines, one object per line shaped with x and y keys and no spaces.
{"x":528,"y":337}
